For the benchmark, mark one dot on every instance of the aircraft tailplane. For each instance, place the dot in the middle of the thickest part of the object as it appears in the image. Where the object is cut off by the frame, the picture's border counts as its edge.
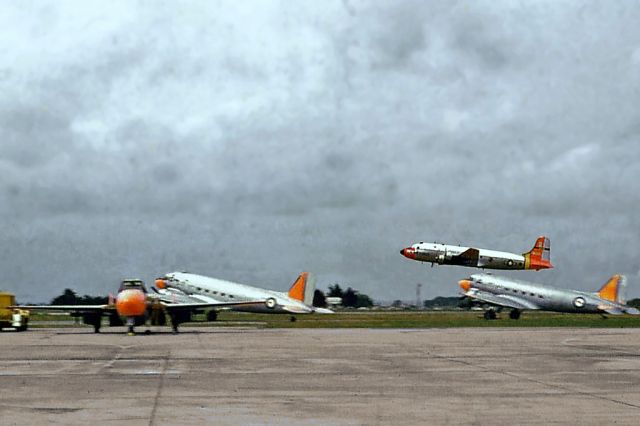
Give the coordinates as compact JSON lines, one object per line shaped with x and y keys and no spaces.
{"x":303,"y":288}
{"x":614,"y":289}
{"x":539,"y":257}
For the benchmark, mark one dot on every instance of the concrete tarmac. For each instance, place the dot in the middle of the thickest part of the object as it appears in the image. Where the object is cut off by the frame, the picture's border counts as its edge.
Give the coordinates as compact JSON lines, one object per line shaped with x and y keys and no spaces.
{"x":239,"y":376}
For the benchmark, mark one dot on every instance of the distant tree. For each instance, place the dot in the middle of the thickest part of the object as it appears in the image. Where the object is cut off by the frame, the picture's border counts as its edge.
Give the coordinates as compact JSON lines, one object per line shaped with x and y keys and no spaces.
{"x":363,"y":301}
{"x":319,"y":300}
{"x":634,"y":302}
{"x":350,"y":298}
{"x":441,"y":302}
{"x":397,"y":303}
{"x":335,"y":291}
{"x":68,"y":297}
{"x":93,"y":300}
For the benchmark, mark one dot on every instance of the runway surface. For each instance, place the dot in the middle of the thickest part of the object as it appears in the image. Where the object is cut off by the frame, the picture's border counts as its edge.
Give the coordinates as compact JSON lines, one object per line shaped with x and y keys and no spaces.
{"x":321,"y":376}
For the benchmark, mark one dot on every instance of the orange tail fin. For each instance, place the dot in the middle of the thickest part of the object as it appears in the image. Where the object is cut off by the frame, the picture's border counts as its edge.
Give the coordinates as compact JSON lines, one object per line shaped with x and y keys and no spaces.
{"x":614,"y":289}
{"x":539,"y":257}
{"x":303,"y":288}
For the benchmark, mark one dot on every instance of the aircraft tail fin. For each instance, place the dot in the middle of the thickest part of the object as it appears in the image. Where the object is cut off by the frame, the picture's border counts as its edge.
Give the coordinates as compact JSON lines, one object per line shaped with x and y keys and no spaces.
{"x":539,"y":257}
{"x":614,"y":289}
{"x":303,"y":288}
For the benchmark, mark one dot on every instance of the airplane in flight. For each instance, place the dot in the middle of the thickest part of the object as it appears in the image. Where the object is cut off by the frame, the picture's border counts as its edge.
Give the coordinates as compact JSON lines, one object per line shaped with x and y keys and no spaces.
{"x":539,"y":257}
{"x":500,"y":292}
{"x":198,"y":288}
{"x":133,"y":306}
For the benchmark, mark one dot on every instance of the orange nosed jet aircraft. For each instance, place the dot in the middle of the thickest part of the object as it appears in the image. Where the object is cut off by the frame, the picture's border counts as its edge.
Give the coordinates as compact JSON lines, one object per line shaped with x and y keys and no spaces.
{"x":133,"y":306}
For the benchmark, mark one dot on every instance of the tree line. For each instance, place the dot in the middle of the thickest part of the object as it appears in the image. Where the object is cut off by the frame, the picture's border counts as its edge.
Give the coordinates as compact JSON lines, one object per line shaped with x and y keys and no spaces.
{"x":351,"y":298}
{"x":70,"y":297}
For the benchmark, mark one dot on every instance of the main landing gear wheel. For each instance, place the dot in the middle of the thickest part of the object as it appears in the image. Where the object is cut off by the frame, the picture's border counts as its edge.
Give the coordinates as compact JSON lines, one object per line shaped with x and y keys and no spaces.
{"x":212,"y":316}
{"x":490,"y":314}
{"x":292,"y":319}
{"x":514,"y":314}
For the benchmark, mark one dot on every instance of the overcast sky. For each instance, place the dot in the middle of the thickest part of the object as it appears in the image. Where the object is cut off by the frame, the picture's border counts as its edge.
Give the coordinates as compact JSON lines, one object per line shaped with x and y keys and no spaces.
{"x":252,"y":140}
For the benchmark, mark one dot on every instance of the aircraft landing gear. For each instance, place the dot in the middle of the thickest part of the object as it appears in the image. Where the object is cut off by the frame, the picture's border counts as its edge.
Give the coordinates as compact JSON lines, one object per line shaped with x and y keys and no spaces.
{"x":96,"y":327}
{"x":212,"y":316}
{"x":293,"y":319}
{"x":490,"y":314}
{"x":514,"y":314}
{"x":130,"y":324}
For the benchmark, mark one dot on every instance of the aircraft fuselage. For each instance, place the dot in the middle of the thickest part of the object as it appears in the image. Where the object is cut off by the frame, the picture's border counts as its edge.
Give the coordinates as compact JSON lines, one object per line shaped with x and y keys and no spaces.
{"x":444,"y":254}
{"x":541,"y":297}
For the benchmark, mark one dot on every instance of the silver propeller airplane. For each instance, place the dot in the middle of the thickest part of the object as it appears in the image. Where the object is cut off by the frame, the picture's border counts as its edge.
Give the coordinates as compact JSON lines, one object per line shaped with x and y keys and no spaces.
{"x":185,"y":287}
{"x":444,"y":254}
{"x":519,"y":295}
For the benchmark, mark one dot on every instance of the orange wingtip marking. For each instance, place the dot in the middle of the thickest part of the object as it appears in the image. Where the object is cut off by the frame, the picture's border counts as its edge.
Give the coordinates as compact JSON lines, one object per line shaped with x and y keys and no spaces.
{"x":160,"y":283}
{"x":297,"y":289}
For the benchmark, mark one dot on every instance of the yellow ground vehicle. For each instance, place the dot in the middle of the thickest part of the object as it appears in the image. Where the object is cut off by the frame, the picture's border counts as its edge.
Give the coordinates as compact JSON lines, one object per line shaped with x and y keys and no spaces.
{"x":12,"y":317}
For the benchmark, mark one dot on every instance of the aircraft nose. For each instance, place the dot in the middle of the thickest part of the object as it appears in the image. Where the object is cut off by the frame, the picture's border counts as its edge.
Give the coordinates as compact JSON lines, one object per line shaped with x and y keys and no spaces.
{"x":131,"y":303}
{"x":408,"y":252}
{"x":465,"y":284}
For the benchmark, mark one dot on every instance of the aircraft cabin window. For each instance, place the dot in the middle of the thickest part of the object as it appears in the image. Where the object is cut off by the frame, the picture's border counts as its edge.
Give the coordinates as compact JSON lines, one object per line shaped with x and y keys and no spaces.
{"x":532,"y":294}
{"x":215,"y":292}
{"x":222,"y":294}
{"x":231,"y":296}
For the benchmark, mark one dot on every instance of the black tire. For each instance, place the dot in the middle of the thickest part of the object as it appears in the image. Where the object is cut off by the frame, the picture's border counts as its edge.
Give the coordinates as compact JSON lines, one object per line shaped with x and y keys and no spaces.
{"x":490,"y":314}
{"x":293,"y":319}
{"x":212,"y":316}
{"x":514,"y":314}
{"x":24,"y":326}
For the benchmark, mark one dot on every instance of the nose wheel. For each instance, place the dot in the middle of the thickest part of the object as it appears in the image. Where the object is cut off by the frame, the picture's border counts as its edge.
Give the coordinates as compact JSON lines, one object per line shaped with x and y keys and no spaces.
{"x":130,"y":325}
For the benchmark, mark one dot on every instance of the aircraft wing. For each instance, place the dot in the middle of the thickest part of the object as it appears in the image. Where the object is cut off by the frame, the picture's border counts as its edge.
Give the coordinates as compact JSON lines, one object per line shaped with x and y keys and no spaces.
{"x":468,"y":257}
{"x":67,"y":308}
{"x":501,"y":300}
{"x":199,"y":305}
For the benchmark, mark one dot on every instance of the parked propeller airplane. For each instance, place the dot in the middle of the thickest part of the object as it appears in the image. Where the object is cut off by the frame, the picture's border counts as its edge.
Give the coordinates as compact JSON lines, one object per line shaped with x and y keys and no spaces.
{"x":194,"y":288}
{"x":519,"y":295}
{"x":539,"y":257}
{"x":133,"y":306}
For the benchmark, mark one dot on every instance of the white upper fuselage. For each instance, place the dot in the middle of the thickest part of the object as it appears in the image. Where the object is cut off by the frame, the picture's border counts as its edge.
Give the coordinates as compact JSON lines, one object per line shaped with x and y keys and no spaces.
{"x":216,"y":290}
